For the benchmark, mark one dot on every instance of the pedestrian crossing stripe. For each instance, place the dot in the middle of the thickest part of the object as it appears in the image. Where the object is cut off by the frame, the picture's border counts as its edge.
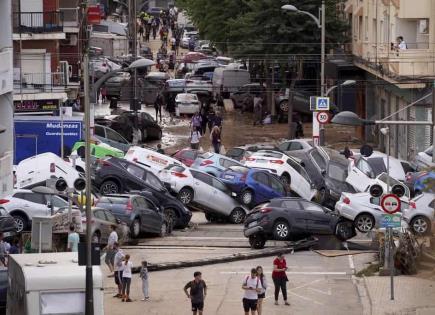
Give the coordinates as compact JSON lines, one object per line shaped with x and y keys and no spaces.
{"x":322,"y":103}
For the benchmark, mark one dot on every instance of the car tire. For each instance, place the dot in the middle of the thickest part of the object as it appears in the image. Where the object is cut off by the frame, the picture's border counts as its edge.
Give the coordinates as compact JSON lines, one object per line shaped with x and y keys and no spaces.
{"x":344,"y":230}
{"x":21,"y":222}
{"x":163,"y":229}
{"x":281,"y":230}
{"x":247,"y":197}
{"x":237,"y":216}
{"x":257,"y":241}
{"x":420,"y":225}
{"x":109,"y":187}
{"x":364,"y":222}
{"x":171,"y":217}
{"x":283,"y":106}
{"x":96,"y":237}
{"x":285,"y":179}
{"x":185,"y":195}
{"x":135,"y":228}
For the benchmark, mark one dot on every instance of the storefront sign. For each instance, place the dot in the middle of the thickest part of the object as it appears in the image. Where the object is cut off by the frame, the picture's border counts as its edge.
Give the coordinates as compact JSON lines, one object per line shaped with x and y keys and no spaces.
{"x":36,"y":106}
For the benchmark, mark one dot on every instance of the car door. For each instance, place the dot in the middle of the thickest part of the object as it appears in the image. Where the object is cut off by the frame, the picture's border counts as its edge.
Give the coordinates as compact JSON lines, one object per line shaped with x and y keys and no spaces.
{"x":149,"y":219}
{"x":277,"y":186}
{"x":316,"y":220}
{"x":35,"y":204}
{"x":99,"y":218}
{"x":299,"y":184}
{"x":203,"y":186}
{"x":360,"y":175}
{"x":221,"y":197}
{"x":115,"y":140}
{"x":295,"y":215}
{"x":261,"y":186}
{"x":136,"y":179}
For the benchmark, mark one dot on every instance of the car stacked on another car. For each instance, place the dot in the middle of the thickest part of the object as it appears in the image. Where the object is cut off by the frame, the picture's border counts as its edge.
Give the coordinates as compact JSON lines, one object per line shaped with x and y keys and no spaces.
{"x":213,"y":163}
{"x":240,"y":153}
{"x":186,"y":156}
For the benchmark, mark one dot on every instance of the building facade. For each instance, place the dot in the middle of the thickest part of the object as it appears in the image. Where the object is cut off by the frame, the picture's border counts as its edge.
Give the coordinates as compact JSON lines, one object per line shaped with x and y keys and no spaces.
{"x":395,"y":76}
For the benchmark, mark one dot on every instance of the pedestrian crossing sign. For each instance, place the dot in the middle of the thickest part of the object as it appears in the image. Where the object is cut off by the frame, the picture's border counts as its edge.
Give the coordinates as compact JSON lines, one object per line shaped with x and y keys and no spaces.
{"x":322,"y":103}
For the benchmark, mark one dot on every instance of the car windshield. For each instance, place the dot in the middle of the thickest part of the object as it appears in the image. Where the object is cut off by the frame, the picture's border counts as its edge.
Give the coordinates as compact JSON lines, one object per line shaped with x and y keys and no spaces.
{"x":186,"y":97}
{"x":175,"y":168}
{"x":337,"y":172}
{"x":269,"y":154}
{"x":378,"y":165}
{"x":154,"y":182}
{"x":384,"y":177}
{"x":113,"y":200}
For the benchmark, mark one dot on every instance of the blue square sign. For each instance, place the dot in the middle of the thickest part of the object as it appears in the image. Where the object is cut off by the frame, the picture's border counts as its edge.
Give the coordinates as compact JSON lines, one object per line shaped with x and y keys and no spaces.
{"x":322,"y":103}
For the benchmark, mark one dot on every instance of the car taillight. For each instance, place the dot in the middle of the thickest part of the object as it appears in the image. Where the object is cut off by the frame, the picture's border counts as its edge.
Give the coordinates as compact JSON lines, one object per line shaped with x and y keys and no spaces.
{"x":346,"y":200}
{"x":178,"y":174}
{"x":412,"y":205}
{"x":129,"y":207}
{"x":277,"y":162}
{"x":52,"y":167}
{"x":250,"y":159}
{"x":3,"y":201}
{"x":266,"y":210}
{"x":206,"y":162}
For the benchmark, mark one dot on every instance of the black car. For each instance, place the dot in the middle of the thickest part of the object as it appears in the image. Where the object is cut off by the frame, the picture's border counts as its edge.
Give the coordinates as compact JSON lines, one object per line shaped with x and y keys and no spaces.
{"x":293,"y":219}
{"x":123,"y":124}
{"x":113,"y":175}
{"x":140,"y":213}
{"x":4,"y":284}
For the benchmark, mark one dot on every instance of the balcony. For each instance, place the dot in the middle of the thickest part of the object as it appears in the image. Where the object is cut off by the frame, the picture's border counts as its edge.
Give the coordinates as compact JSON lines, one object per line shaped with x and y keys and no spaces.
{"x":70,"y":18}
{"x":39,"y":82}
{"x":412,"y":63}
{"x":37,"y":22}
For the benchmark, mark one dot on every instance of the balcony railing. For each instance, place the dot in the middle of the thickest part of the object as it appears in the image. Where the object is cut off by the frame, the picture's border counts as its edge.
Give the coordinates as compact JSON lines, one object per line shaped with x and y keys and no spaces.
{"x":37,"y":22}
{"x":41,"y":82}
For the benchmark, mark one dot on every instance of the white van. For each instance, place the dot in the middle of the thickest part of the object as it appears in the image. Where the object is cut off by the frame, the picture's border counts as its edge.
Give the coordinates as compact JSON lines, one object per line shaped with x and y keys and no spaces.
{"x":34,"y":171}
{"x":51,"y":283}
{"x":150,"y":159}
{"x":229,"y":81}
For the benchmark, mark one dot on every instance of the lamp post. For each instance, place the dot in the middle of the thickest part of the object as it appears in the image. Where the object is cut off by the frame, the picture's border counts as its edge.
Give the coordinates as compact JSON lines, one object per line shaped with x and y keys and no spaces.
{"x":318,"y":130}
{"x":345,"y":83}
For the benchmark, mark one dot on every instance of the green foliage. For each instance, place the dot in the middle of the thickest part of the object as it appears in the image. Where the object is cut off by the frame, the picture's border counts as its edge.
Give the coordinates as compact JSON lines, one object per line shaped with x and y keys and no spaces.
{"x":254,"y":28}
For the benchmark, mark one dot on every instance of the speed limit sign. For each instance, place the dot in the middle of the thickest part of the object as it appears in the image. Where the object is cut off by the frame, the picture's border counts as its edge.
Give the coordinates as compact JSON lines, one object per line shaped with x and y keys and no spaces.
{"x":323,"y":117}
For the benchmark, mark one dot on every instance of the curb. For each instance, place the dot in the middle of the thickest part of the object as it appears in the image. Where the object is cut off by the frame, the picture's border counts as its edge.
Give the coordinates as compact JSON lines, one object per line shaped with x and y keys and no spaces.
{"x":303,"y":244}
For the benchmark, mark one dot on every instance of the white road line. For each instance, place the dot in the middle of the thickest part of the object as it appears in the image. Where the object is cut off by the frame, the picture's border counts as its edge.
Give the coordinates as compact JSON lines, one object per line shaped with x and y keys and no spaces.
{"x":305,"y":298}
{"x":320,"y":291}
{"x":307,"y":273}
{"x":351,"y":264}
{"x":207,"y":238}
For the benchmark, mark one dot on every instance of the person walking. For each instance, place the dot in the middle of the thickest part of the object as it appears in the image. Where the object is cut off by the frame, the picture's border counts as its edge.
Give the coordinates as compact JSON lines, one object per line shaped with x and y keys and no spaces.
{"x":215,"y":137}
{"x":110,"y":251}
{"x":141,"y":31}
{"x":118,"y":268}
{"x":251,"y":286}
{"x":210,"y":120}
{"x":263,"y":288}
{"x":195,"y":135}
{"x":258,"y":110}
{"x":197,"y":294}
{"x":144,"y":276}
{"x":158,"y":107}
{"x":73,"y":239}
{"x":196,"y":121}
{"x":126,"y":278}
{"x":279,"y":277}
{"x":160,"y":149}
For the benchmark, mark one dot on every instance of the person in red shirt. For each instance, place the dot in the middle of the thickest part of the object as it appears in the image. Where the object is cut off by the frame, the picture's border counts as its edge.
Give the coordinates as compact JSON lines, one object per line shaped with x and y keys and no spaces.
{"x":280,"y":278}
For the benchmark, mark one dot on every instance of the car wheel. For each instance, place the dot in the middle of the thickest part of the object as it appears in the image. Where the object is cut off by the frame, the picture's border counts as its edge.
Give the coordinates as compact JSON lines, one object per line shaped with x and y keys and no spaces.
{"x":109,"y":187}
{"x":281,"y":230}
{"x":247,"y":197}
{"x":185,"y":195}
{"x":135,"y":228}
{"x":237,"y":216}
{"x":420,"y":225}
{"x":171,"y":217}
{"x":364,"y":223}
{"x":283,"y":106}
{"x":285,"y":179}
{"x":144,"y":135}
{"x":96,"y":237}
{"x":21,"y":222}
{"x":257,"y":242}
{"x":344,"y":230}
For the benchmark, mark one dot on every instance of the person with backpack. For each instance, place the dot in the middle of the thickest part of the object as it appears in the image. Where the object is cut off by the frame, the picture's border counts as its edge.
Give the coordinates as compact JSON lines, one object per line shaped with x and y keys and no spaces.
{"x":251,"y":285}
{"x":279,"y":277}
{"x":144,"y":276}
{"x":197,"y":294}
{"x":195,"y":135}
{"x":263,"y":287}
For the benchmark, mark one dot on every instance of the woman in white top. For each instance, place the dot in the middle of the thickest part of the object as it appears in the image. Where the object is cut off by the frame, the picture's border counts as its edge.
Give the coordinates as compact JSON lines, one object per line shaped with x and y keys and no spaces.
{"x":263,"y":287}
{"x":126,"y":278}
{"x":195,"y":135}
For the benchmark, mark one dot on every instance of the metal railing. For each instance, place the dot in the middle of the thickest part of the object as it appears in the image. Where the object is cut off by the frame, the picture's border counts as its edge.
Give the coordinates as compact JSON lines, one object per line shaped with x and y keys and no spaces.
{"x":37,"y":22}
{"x":45,"y":82}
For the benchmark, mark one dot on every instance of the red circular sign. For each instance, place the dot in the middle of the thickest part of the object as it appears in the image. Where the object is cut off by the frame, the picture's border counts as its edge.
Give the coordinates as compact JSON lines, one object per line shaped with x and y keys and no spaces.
{"x":390,"y":203}
{"x":323,"y":117}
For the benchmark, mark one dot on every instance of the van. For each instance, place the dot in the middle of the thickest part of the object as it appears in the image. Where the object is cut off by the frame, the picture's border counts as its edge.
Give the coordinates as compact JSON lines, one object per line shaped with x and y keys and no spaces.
{"x":34,"y":171}
{"x":150,"y":159}
{"x":51,"y":283}
{"x":229,"y":81}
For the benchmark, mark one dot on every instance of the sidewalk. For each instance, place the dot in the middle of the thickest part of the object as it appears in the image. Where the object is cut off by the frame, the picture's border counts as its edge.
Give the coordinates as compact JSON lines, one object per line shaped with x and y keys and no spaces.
{"x":412,"y":295}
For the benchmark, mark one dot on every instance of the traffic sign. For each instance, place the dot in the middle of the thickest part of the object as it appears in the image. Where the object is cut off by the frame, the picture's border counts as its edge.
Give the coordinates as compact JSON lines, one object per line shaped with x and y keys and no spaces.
{"x":391,"y":220}
{"x":322,"y":103}
{"x":390,"y":203}
{"x":322,"y":117}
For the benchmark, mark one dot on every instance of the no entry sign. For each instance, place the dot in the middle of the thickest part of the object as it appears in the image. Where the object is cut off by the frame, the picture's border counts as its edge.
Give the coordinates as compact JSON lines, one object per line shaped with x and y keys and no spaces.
{"x":390,"y":203}
{"x":323,"y":117}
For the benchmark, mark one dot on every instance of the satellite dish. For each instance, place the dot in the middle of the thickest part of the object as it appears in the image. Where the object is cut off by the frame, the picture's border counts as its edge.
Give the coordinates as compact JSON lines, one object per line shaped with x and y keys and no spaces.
{"x":366,"y":150}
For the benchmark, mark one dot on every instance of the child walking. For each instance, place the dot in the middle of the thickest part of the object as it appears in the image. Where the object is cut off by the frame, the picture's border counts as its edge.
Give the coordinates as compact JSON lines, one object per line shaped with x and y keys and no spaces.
{"x":126,"y":279}
{"x":144,"y":277}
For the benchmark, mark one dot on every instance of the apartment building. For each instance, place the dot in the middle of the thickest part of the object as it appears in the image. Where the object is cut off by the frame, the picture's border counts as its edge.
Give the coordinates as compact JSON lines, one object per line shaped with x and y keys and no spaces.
{"x":395,"y":76}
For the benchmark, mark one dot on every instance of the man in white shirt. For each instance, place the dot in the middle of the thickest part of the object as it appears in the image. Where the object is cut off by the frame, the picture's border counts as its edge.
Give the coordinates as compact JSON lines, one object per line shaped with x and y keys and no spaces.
{"x":252,"y":286}
{"x":110,"y":253}
{"x":118,"y":268}
{"x":401,"y":45}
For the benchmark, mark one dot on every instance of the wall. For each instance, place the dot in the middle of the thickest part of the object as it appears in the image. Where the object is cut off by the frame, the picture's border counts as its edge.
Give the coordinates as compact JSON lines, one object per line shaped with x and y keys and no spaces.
{"x":51,"y":46}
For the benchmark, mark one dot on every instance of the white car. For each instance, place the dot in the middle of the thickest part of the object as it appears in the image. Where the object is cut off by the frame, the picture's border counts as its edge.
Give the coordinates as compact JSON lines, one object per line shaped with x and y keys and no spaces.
{"x":24,"y":204}
{"x":150,"y":159}
{"x":206,"y":192}
{"x":363,"y":209}
{"x":186,"y":103}
{"x":424,"y":159}
{"x":34,"y":171}
{"x":295,"y":144}
{"x":363,"y":172}
{"x":421,"y":214}
{"x":287,"y":168}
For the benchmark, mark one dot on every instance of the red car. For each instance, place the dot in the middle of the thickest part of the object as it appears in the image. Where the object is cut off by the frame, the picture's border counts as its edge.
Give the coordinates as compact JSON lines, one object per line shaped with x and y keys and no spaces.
{"x":186,"y":156}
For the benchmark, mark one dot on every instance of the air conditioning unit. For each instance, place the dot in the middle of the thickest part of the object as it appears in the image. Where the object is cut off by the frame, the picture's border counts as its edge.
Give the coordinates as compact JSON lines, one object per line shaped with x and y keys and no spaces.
{"x":70,"y":40}
{"x":65,"y":70}
{"x":6,"y":176}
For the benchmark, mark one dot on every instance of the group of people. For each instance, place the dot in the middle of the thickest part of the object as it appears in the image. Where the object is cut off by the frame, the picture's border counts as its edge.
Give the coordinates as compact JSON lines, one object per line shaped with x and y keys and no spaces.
{"x":254,"y":288}
{"x":199,"y":123}
{"x":151,"y":24}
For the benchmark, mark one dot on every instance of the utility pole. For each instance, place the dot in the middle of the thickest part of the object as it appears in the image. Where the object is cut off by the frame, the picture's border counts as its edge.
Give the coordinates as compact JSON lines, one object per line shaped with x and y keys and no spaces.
{"x":133,"y":37}
{"x":322,"y":71}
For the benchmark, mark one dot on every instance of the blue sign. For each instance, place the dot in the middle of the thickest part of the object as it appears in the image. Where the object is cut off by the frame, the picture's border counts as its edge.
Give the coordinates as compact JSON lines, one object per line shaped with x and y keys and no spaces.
{"x":322,"y":103}
{"x":391,"y":220}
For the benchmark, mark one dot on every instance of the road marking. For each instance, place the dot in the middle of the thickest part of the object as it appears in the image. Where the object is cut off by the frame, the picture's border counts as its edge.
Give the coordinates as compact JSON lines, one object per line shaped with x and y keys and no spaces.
{"x":351,"y":264}
{"x":207,"y":238}
{"x":306,"y":273}
{"x":329,"y":292}
{"x":305,"y":298}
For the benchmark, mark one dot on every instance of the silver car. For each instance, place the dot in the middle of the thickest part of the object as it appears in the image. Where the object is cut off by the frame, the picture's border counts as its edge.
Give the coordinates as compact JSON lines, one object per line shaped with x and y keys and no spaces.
{"x":420,"y":213}
{"x":111,"y":137}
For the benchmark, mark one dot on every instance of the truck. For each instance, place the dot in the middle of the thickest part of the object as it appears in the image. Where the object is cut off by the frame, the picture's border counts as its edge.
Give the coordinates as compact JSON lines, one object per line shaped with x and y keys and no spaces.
{"x":112,"y":44}
{"x":51,"y":283}
{"x":39,"y":134}
{"x":227,"y":81}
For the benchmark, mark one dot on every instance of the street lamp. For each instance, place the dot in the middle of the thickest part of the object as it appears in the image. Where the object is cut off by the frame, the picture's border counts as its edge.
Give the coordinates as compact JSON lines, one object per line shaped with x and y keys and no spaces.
{"x":318,"y":131}
{"x":345,"y":83}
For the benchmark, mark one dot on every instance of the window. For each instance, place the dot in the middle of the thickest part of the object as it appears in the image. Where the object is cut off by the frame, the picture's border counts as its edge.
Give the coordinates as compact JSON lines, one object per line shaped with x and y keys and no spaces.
{"x":284,"y":146}
{"x":277,"y":185}
{"x":407,"y":167}
{"x":113,"y":200}
{"x":262,"y":178}
{"x":205,"y":178}
{"x":377,"y":165}
{"x":189,"y":155}
{"x":110,"y":217}
{"x":146,"y":204}
{"x":235,"y":152}
{"x":364,"y":167}
{"x":318,"y":160}
{"x":114,"y":136}
{"x":99,"y":214}
{"x":294,"y":165}
{"x":337,"y":172}
{"x":99,"y":131}
{"x":136,"y":171}
{"x":295,"y":146}
{"x":360,"y":28}
{"x":428,"y":151}
{"x":57,"y":202}
{"x":62,"y":303}
{"x":227,"y":163}
{"x":36,"y":198}
{"x":290,"y":204}
{"x":239,"y":169}
{"x":154,"y":182}
{"x":366,"y":28}
{"x":218,"y":185}
{"x":308,"y":206}
{"x":432,"y":204}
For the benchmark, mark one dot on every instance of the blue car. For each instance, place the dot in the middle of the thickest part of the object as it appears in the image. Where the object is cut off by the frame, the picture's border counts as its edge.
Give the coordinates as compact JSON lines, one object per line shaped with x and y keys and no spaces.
{"x":213,"y":163}
{"x":424,"y":182}
{"x":253,"y":186}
